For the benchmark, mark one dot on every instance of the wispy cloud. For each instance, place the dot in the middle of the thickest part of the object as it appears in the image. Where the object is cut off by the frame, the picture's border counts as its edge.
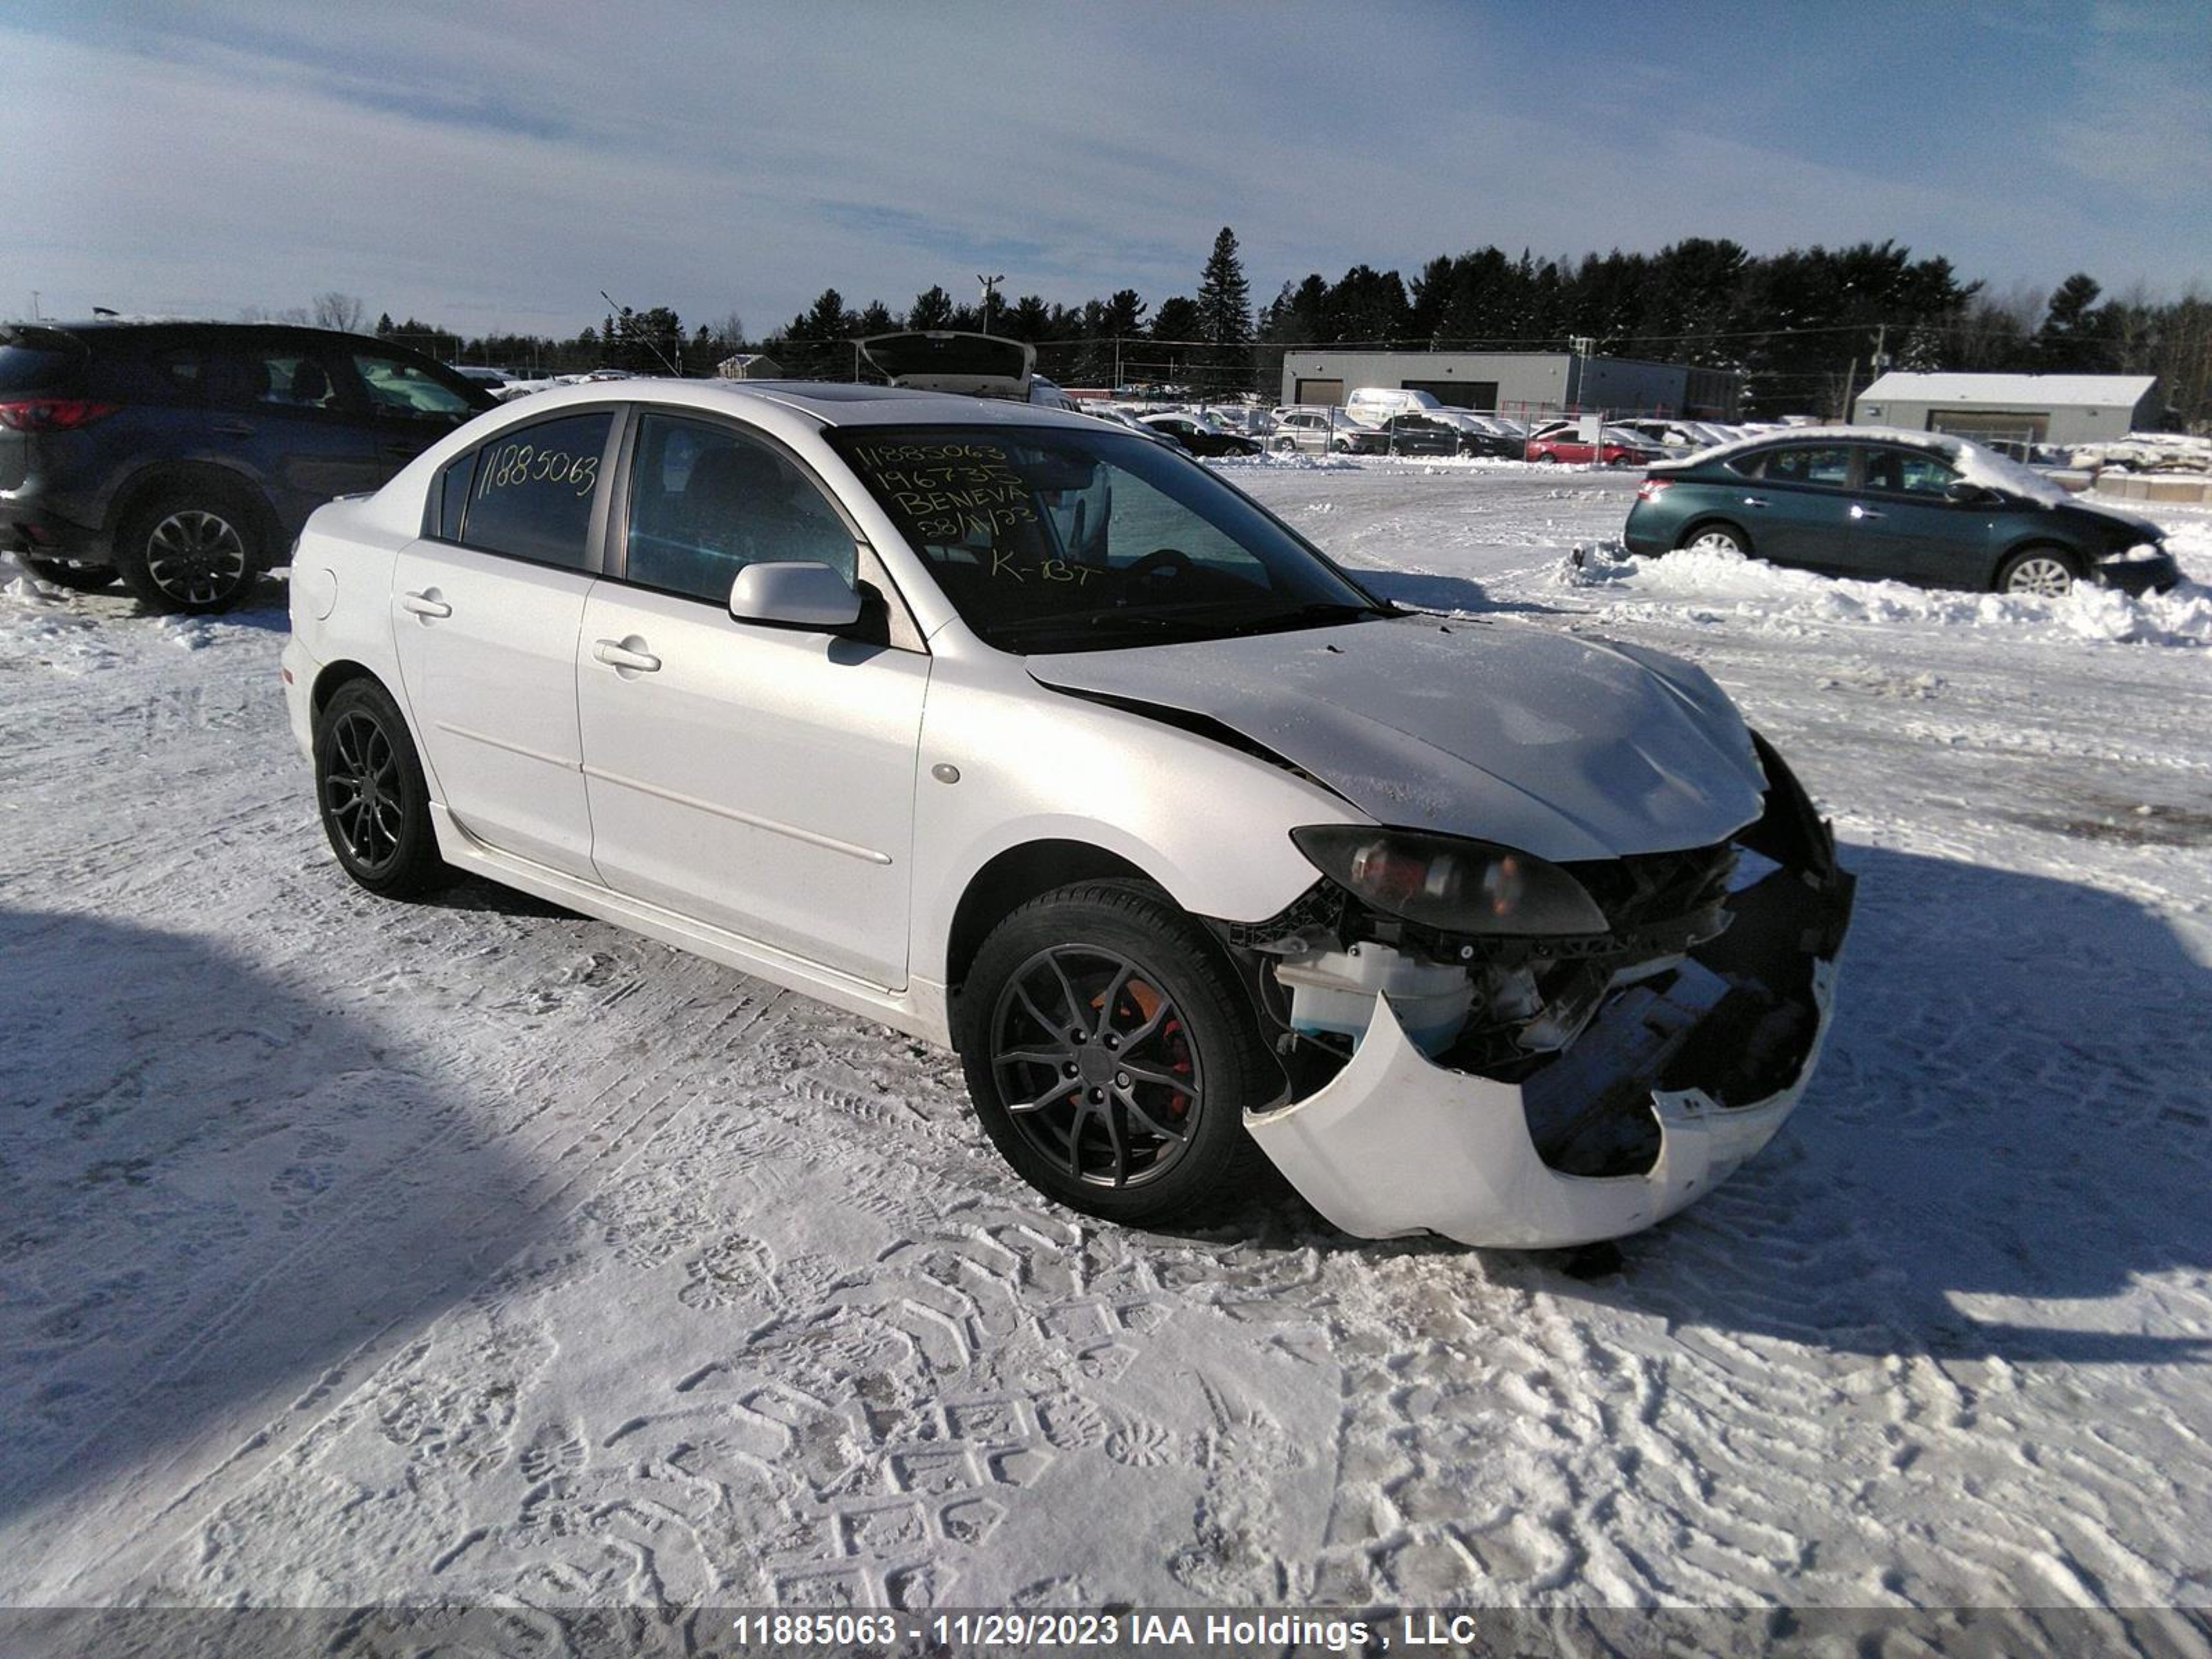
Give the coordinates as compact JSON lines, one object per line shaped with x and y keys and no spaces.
{"x":502,"y":162}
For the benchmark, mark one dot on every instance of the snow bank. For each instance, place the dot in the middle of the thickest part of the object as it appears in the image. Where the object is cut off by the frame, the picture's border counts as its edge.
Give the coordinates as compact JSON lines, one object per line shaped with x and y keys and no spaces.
{"x":1771,"y":598}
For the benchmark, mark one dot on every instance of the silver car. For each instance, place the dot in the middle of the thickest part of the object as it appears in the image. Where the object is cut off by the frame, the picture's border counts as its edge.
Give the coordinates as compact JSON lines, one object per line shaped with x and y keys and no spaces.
{"x":1030,"y":737}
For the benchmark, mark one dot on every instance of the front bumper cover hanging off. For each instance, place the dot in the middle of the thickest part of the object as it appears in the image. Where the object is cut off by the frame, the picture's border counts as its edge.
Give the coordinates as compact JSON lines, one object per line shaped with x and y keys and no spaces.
{"x":1397,"y":1144}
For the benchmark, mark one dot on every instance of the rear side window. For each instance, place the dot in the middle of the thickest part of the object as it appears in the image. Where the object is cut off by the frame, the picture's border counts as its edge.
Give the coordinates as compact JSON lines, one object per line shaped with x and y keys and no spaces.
{"x":268,"y":381}
{"x":1822,"y":465}
{"x":453,"y":495}
{"x":531,"y":493}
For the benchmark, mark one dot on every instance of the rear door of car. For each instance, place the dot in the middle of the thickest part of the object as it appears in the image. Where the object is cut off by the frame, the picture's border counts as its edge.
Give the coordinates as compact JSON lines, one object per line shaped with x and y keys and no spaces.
{"x":757,"y":778}
{"x":276,"y":407}
{"x":1906,"y":528}
{"x":486,"y":608}
{"x":1798,"y":509}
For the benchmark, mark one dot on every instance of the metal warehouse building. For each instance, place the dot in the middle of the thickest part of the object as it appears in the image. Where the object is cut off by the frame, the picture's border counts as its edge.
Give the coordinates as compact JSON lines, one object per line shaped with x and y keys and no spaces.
{"x":1512,"y":381}
{"x":2013,"y":409}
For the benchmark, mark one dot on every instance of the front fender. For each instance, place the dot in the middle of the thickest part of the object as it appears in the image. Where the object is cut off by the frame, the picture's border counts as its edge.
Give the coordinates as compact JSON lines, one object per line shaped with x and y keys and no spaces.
{"x":1210,"y":825}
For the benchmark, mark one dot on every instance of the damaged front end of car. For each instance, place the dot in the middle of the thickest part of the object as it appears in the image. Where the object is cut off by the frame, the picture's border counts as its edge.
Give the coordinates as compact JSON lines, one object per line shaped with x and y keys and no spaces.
{"x":1512,"y":1052}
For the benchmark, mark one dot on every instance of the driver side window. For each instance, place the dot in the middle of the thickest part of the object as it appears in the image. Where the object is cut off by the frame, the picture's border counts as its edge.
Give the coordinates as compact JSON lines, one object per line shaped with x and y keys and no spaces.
{"x":1902,"y":472}
{"x":1144,"y":521}
{"x":705,"y":501}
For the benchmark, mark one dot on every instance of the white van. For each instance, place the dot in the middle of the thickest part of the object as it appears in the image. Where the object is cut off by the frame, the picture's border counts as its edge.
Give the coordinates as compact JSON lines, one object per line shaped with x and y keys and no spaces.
{"x":1373,"y":405}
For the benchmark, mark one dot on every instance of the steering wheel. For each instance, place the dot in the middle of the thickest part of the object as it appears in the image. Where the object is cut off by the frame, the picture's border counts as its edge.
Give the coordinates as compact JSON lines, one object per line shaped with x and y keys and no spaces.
{"x":1168,"y":560}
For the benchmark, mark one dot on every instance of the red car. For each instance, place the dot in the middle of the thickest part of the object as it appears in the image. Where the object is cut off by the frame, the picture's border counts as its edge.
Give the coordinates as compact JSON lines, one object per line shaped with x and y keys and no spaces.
{"x":1567,"y":447}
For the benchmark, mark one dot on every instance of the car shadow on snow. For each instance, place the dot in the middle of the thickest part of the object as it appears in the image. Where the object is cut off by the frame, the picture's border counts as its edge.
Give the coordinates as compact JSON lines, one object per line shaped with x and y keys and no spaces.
{"x":214,"y":1191}
{"x":265,"y":608}
{"x":2012,"y":1125}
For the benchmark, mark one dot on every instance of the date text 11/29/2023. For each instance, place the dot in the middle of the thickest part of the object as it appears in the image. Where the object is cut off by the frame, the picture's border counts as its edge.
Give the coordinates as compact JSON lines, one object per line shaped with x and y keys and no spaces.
{"x":1267,"y":1631}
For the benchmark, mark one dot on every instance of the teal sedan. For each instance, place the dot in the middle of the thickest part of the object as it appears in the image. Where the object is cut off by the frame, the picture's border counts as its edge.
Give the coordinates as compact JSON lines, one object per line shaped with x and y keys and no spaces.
{"x":1877,"y":504}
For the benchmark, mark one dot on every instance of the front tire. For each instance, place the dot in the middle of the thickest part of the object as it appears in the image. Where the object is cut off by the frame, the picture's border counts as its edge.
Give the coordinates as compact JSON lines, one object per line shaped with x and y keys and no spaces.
{"x":2039,"y":573}
{"x":370,"y":788}
{"x":1112,"y":1058}
{"x":78,"y":578}
{"x":193,"y":550}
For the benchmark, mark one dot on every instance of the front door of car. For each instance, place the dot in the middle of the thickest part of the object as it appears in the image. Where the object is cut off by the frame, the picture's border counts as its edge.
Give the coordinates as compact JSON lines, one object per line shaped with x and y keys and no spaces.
{"x":485,"y":615}
{"x":1799,"y":509}
{"x":407,"y":406}
{"x":1908,"y":529}
{"x":757,"y":778}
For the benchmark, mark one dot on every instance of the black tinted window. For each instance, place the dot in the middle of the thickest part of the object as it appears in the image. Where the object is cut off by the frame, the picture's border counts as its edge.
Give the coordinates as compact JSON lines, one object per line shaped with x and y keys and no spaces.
{"x":531,"y":496}
{"x":454,"y":496}
{"x":706,"y":501}
{"x":34,"y":368}
{"x":1821,"y":466}
{"x":269,"y":381}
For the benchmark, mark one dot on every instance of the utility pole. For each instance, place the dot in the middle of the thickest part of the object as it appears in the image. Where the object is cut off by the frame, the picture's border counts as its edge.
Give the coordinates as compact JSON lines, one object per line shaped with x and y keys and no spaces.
{"x":1875,"y":369}
{"x":990,"y":285}
{"x":34,"y":305}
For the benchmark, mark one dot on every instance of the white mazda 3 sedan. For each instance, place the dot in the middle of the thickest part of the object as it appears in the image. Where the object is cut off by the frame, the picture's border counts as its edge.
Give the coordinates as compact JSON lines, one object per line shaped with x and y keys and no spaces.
{"x":1033,"y":738}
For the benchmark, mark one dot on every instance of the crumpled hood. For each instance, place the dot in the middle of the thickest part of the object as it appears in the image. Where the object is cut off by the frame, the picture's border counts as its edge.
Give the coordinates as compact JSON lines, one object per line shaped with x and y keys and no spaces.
{"x":1566,"y":748}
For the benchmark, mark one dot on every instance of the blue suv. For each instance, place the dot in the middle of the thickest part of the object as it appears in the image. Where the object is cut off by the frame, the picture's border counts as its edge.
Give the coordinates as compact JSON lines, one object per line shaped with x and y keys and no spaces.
{"x":183,"y":458}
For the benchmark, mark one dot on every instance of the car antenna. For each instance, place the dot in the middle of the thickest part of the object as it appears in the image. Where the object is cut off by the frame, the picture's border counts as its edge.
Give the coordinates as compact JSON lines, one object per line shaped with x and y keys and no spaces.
{"x":674,"y":373}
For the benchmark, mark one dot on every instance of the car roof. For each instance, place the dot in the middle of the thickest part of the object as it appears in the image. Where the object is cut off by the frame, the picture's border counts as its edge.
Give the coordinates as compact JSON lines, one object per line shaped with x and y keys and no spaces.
{"x":827,"y":403}
{"x":97,"y":326}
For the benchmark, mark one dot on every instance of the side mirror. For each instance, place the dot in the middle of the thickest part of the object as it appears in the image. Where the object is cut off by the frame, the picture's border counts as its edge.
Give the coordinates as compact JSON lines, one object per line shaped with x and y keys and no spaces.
{"x":1963,"y":494}
{"x":797,"y":594}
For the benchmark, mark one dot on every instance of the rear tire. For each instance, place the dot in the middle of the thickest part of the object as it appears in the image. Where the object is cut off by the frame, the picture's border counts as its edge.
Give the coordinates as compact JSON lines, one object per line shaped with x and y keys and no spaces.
{"x":1112,"y":1058}
{"x":1715,"y":538}
{"x":370,"y":791}
{"x":78,"y":578}
{"x":190,"y":549}
{"x":2039,"y":573}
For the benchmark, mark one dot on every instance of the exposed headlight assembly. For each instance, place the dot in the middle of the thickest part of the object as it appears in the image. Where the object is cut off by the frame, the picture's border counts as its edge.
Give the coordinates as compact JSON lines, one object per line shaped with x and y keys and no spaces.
{"x":1451,"y":885}
{"x":2141,"y":553}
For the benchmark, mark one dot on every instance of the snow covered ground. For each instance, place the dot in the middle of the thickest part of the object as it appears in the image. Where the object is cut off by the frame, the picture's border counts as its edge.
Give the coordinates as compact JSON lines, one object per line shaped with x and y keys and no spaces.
{"x":470,"y":1250}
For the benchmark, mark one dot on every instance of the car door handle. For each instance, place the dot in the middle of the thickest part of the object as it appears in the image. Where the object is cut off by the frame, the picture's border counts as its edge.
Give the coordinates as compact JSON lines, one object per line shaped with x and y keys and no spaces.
{"x":617,"y":654}
{"x":231,"y":429}
{"x":1754,"y":501}
{"x":1866,"y":512}
{"x":425,"y":605}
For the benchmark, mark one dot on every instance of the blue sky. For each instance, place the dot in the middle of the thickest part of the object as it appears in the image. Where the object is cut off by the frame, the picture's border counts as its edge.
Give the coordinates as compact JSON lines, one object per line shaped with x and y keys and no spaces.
{"x":498,"y":164}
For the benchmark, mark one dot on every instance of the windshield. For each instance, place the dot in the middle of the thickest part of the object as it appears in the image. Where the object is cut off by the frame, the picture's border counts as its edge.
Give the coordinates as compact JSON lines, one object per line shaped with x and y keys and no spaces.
{"x":1050,"y":539}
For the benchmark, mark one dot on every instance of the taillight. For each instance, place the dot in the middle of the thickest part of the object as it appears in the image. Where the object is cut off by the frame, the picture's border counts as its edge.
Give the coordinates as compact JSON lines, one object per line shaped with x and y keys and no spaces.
{"x":1651,"y":489}
{"x":51,"y":414}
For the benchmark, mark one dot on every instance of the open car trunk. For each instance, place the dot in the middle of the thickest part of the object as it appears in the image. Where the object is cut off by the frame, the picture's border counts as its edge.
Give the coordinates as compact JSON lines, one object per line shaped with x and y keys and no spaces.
{"x":946,"y":360}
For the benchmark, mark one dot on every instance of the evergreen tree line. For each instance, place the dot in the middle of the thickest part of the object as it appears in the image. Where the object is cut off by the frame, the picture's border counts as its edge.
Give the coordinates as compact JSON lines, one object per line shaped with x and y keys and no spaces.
{"x":1802,"y":328}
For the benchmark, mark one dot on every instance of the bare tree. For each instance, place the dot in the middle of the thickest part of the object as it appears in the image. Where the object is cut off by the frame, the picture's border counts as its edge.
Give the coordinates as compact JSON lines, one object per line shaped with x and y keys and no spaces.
{"x":731,"y":332}
{"x":343,"y":312}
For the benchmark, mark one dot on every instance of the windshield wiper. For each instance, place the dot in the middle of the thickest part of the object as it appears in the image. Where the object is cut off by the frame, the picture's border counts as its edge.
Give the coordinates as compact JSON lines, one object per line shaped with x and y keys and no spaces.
{"x":1310,"y":616}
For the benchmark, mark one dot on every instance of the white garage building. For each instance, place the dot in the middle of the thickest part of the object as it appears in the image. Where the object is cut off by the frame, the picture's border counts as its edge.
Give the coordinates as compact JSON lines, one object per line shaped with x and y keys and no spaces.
{"x":2013,"y":409}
